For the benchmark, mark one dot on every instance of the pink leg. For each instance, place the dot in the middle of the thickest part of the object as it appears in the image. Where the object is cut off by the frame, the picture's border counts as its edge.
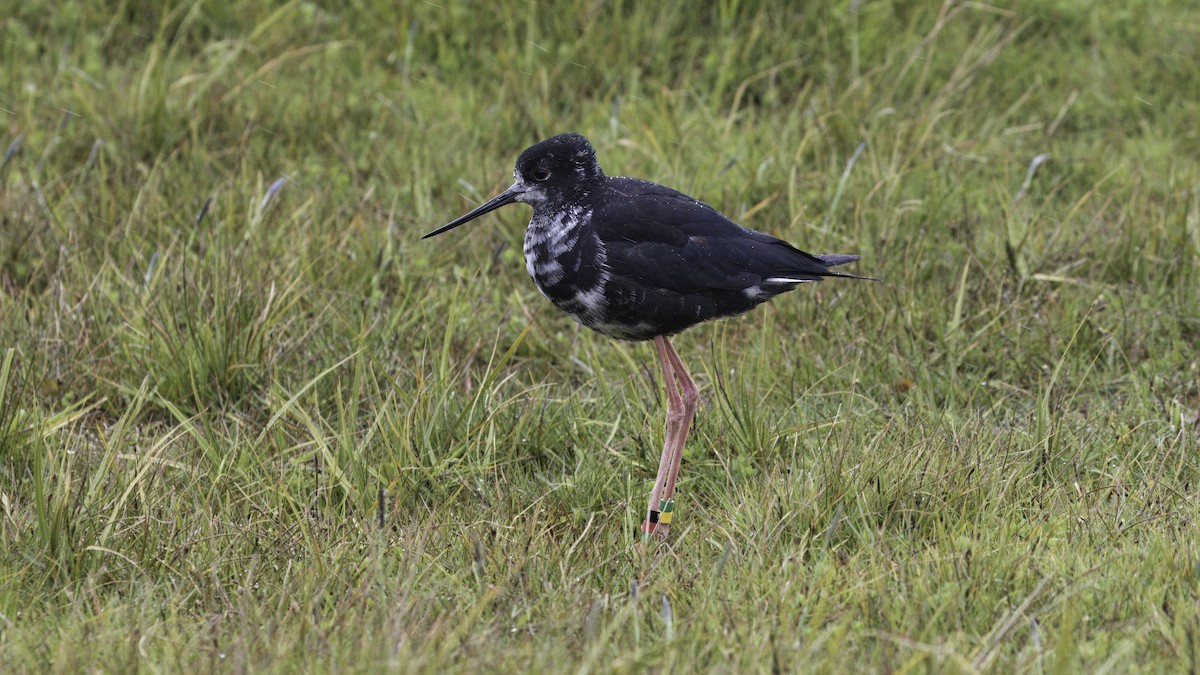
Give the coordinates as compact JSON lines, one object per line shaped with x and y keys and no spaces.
{"x":680,"y":412}
{"x":690,"y":399}
{"x":674,"y":407}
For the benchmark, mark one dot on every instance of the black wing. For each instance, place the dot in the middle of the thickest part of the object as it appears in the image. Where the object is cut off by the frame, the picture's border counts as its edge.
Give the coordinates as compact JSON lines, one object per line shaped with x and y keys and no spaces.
{"x":676,"y":243}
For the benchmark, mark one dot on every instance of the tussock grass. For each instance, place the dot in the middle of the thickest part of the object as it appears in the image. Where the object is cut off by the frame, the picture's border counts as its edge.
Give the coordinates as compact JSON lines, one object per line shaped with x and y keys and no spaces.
{"x":250,"y":422}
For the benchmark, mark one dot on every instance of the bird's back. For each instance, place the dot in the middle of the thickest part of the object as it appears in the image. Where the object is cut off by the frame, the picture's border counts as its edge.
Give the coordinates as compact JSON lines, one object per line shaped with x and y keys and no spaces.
{"x":672,"y":261}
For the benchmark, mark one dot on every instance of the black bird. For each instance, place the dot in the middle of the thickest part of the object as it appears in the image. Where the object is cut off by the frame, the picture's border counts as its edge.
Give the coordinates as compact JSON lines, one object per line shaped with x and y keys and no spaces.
{"x":636,"y":260}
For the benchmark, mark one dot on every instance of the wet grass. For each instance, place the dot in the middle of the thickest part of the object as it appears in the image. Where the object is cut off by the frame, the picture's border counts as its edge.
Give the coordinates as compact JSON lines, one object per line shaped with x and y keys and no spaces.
{"x":250,"y":422}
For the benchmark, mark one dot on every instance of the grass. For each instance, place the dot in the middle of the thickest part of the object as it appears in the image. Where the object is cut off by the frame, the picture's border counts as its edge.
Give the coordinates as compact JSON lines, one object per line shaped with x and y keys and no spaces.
{"x":250,"y":422}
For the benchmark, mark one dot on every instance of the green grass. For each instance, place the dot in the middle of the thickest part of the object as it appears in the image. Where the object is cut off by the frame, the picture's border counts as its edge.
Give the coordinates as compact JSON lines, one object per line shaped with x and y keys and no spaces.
{"x":250,"y":424}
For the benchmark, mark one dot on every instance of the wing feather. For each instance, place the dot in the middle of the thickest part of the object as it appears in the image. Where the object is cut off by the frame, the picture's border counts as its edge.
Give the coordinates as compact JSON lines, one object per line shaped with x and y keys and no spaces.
{"x":679,"y":244}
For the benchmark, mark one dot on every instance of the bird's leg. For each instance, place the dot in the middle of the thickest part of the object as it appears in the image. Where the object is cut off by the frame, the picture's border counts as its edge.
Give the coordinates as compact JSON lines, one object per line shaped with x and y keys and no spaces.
{"x":688,"y":402}
{"x":674,"y":417}
{"x":681,"y":409}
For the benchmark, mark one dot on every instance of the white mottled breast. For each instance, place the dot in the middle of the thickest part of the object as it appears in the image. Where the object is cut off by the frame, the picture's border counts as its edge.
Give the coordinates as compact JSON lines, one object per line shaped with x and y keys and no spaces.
{"x":548,"y":239}
{"x":550,"y":244}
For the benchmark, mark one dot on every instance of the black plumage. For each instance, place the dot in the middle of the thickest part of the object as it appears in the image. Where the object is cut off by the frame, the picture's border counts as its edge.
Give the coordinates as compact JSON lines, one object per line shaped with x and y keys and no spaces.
{"x":639,"y":261}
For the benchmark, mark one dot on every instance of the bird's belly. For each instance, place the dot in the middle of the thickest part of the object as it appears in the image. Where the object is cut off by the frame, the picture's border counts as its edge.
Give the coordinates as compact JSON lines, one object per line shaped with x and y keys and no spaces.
{"x":630,"y":312}
{"x":587,"y":303}
{"x":583,"y":291}
{"x":634,"y":312}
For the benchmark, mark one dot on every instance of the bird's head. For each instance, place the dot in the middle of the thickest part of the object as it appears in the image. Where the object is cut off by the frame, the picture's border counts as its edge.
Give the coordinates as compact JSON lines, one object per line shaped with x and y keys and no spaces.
{"x":553,"y":171}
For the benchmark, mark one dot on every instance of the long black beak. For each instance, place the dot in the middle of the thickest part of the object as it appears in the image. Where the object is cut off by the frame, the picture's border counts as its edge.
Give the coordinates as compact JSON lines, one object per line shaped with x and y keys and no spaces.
{"x":507,"y":197}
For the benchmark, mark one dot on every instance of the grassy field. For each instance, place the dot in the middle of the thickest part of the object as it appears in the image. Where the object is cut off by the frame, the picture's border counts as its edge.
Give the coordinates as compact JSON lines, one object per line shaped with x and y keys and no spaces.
{"x":250,"y":422}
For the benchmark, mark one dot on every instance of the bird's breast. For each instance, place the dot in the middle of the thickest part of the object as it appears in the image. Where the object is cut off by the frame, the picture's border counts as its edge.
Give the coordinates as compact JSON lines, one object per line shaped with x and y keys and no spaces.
{"x":554,"y":248}
{"x":568,"y":263}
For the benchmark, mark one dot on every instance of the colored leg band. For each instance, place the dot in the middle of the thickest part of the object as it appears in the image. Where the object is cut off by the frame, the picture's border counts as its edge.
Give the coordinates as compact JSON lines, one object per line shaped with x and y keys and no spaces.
{"x":649,"y":526}
{"x":667,"y":509}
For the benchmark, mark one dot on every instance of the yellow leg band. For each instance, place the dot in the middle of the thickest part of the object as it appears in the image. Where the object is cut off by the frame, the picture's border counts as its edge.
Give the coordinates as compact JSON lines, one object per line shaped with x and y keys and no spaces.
{"x":666,"y":510}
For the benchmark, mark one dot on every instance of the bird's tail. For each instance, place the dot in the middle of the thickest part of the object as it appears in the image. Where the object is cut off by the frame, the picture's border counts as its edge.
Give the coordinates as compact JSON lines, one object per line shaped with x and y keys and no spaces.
{"x":835,"y":259}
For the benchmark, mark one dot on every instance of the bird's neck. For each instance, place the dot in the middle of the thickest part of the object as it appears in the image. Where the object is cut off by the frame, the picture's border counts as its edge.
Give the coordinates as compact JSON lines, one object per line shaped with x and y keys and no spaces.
{"x":556,"y":230}
{"x":552,"y":235}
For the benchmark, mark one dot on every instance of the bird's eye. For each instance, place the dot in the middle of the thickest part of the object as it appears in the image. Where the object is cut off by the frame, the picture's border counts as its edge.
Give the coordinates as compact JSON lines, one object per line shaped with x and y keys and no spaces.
{"x":541,"y":174}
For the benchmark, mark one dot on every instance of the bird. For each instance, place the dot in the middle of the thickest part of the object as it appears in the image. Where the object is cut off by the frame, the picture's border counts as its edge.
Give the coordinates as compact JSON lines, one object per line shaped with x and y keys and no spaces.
{"x":639,"y":261}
